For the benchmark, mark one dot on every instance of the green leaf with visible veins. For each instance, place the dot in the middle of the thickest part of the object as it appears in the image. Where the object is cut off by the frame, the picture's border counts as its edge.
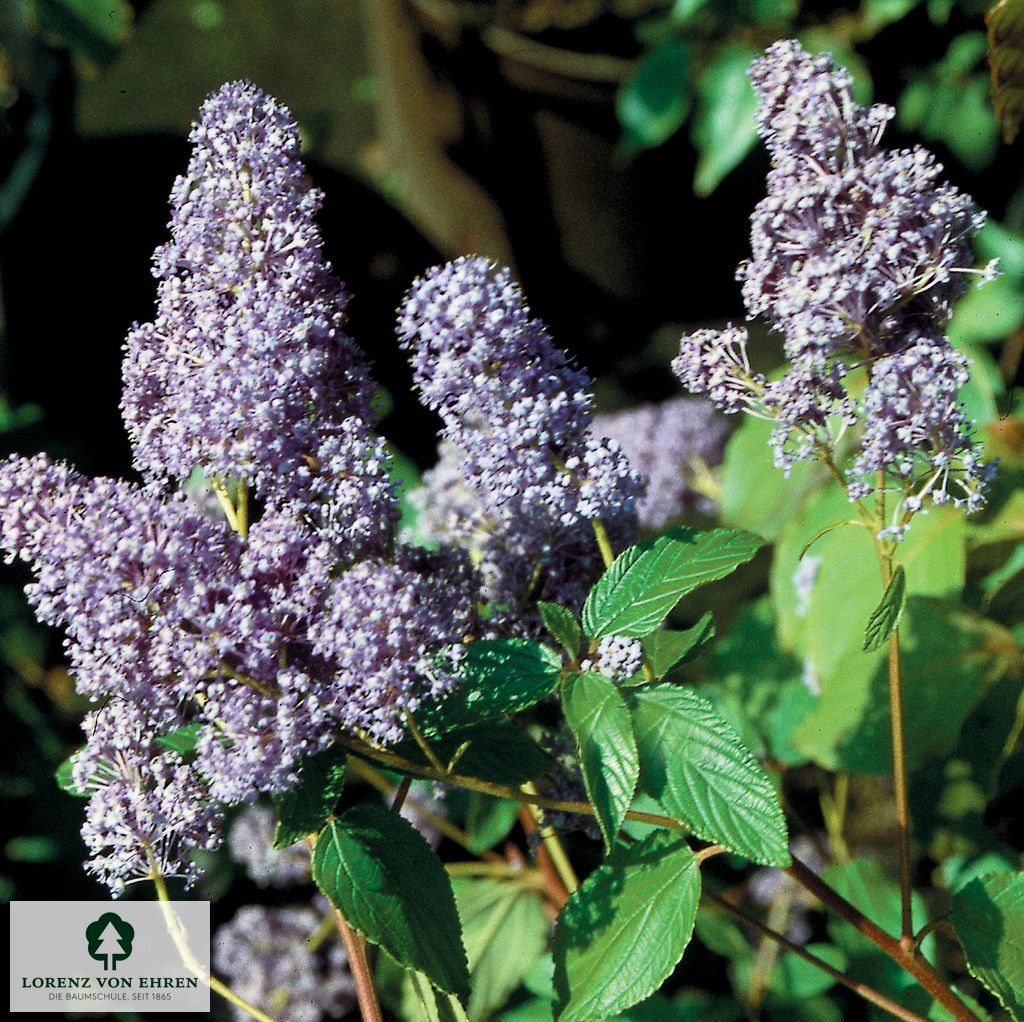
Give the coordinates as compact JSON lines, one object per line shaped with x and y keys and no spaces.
{"x":562,"y":624}
{"x":599,"y":719}
{"x":671,"y":648}
{"x":647,"y":580}
{"x":623,"y":932}
{"x":988,"y":914}
{"x":498,"y":677}
{"x":886,"y":615}
{"x":381,"y":874}
{"x":304,"y":809}
{"x":695,"y":765}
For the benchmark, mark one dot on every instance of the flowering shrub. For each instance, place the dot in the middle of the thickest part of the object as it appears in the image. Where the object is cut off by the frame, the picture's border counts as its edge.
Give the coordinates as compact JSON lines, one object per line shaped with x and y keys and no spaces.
{"x":255,"y":627}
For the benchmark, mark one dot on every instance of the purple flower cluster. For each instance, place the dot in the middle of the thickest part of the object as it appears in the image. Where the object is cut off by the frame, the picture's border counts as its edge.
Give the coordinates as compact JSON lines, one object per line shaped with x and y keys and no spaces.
{"x":673,"y":445}
{"x":268,"y":640}
{"x":857,"y":255}
{"x":267,"y":957}
{"x":511,"y":402}
{"x":147,"y":807}
{"x":384,"y":631}
{"x":246,"y":371}
{"x":521,"y":470}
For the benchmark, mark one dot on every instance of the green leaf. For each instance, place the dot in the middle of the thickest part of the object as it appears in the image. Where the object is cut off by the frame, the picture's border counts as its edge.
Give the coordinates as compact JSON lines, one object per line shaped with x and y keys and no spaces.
{"x":867,"y":887}
{"x":598,"y":717}
{"x":647,"y":580}
{"x":756,"y":687}
{"x":654,"y":102}
{"x":988,"y":914}
{"x":886,"y":615}
{"x":65,"y":781}
{"x":486,"y":820}
{"x":623,"y":932}
{"x":499,"y":677}
{"x":748,"y":468}
{"x":380,"y":873}
{"x":182,"y":740}
{"x":505,"y":929}
{"x":562,"y":624}
{"x":694,"y":764}
{"x":671,"y":648}
{"x":305,"y":808}
{"x":949,"y":658}
{"x":723,"y":126}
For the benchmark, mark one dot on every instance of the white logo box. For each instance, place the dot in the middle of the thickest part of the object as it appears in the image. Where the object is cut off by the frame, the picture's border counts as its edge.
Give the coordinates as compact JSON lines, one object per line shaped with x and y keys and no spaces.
{"x":107,"y":956}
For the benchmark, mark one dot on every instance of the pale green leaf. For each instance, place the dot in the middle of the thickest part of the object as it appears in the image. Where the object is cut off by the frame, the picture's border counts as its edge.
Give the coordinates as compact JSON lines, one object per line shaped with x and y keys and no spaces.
{"x":599,"y":719}
{"x":694,"y":764}
{"x":623,"y":932}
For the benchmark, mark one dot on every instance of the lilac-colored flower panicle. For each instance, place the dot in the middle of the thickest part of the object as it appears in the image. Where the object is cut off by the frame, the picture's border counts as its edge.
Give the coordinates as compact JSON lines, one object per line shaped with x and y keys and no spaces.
{"x":382,"y":632}
{"x":916,"y":429}
{"x":116,"y":565}
{"x":148,"y":809}
{"x":852,"y":242}
{"x":510,"y":401}
{"x":672,"y":444}
{"x":858,"y":254}
{"x":267,"y":958}
{"x":246,"y":370}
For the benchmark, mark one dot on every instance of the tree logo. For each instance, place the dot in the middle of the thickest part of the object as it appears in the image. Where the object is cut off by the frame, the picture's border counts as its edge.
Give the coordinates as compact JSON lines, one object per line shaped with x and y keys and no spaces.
{"x":110,"y":940}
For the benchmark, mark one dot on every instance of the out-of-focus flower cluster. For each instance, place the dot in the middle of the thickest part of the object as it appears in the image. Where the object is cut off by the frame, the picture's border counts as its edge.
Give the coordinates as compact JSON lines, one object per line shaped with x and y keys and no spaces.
{"x":251,"y":591}
{"x":286,"y":962}
{"x":857,"y":255}
{"x":673,"y":445}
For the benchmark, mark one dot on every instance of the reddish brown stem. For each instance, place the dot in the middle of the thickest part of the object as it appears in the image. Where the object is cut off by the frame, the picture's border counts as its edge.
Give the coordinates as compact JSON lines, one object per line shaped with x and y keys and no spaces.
{"x":862,"y":989}
{"x":557,"y":891}
{"x":892,"y":946}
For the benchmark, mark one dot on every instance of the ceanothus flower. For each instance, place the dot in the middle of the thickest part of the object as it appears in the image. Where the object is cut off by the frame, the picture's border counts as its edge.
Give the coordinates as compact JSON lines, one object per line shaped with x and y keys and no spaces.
{"x":115,"y":565}
{"x":619,"y":657}
{"x":148,"y":808}
{"x":511,"y":402}
{"x":670,"y":444}
{"x":916,"y":430}
{"x":857,"y":253}
{"x":265,"y":954}
{"x":246,"y":370}
{"x":382,"y":633}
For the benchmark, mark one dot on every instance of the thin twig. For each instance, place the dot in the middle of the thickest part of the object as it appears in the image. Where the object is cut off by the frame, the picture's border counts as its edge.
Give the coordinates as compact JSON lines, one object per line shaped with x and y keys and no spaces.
{"x":373,"y":777}
{"x":553,"y":845}
{"x":558,"y":893}
{"x":907,"y":959}
{"x":859,"y":988}
{"x":189,"y":960}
